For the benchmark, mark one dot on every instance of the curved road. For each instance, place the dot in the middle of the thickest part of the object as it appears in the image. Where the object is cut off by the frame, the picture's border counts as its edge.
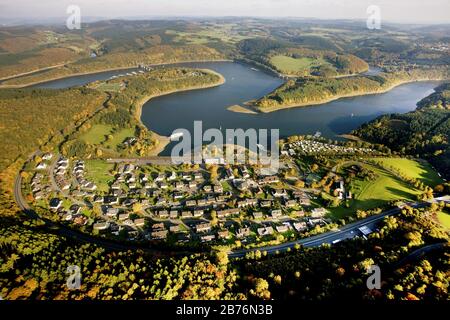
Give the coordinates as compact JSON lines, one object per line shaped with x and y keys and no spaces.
{"x":348,"y":231}
{"x":420,"y":253}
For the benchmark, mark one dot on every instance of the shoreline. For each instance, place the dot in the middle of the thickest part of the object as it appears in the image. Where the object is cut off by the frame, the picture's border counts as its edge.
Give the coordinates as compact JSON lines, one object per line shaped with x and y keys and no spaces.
{"x":350,"y":137}
{"x":24,"y":74}
{"x":163,"y":141}
{"x":240,"y":109}
{"x":22,"y":86}
{"x":250,"y":104}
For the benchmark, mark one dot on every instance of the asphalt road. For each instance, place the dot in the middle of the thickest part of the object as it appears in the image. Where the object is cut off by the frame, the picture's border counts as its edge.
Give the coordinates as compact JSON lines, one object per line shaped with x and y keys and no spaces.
{"x":419,"y":253}
{"x":348,"y":231}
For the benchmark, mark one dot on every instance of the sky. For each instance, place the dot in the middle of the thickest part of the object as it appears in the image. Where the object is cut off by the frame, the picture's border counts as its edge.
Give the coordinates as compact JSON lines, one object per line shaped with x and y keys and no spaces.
{"x":407,"y":11}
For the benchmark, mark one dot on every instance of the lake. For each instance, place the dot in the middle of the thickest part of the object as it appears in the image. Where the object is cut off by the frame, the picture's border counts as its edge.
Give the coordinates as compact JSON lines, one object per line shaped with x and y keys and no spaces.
{"x":179,"y":110}
{"x":81,"y":80}
{"x":167,"y":113}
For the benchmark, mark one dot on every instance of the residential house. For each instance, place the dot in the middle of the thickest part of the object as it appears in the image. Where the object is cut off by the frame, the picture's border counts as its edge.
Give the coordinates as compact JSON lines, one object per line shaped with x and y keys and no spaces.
{"x":186,"y":215}
{"x":160,"y":178}
{"x":279,"y":193}
{"x":159,"y":234}
{"x":55,"y":203}
{"x":226,"y":213}
{"x":223,"y":234}
{"x":207,"y":238}
{"x":140,"y":222}
{"x":266,"y":204}
{"x":157,"y":226}
{"x":265,"y":231}
{"x":198,"y":213}
{"x":290,"y":203}
{"x":247,"y":203}
{"x":198,"y":176}
{"x":318,"y":212}
{"x":203,"y":227}
{"x":75,"y":209}
{"x":172,"y":176}
{"x":162,"y":214}
{"x":283,"y":228}
{"x":129,"y":168}
{"x":300,"y":226}
{"x":191,"y":203}
{"x":268,"y":180}
{"x":243,"y":232}
{"x":101,"y":226}
{"x":257,"y":215}
{"x":47,"y":156}
{"x":112,"y":212}
{"x":276,"y":213}
{"x":41,"y":166}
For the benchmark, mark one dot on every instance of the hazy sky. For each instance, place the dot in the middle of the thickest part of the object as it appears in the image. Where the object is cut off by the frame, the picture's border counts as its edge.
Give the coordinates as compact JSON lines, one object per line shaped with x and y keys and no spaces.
{"x":423,"y":11}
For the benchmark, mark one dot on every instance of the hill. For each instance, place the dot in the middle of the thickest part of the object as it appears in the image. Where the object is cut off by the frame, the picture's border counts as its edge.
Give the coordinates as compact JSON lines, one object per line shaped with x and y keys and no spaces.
{"x":424,"y":132}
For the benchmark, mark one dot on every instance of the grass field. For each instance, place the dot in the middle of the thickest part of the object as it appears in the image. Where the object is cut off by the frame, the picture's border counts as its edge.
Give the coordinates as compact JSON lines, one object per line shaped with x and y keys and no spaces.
{"x":292,"y":65}
{"x":372,"y":194}
{"x":419,"y":170}
{"x":109,"y":87}
{"x":97,"y":171}
{"x":118,"y":137}
{"x":97,"y":134}
{"x":444,"y":219}
{"x":223,"y":33}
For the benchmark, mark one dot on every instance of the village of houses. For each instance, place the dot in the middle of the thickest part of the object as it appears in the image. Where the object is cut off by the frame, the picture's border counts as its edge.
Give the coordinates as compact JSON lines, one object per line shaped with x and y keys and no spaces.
{"x":152,"y":202}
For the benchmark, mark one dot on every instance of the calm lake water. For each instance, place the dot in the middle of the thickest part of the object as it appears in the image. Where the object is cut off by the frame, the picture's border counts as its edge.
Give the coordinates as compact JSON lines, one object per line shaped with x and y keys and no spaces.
{"x":167,"y":113}
{"x":76,"y":81}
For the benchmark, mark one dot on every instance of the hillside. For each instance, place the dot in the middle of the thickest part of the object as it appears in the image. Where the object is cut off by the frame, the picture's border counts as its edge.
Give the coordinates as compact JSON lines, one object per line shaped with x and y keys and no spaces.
{"x":310,"y":90}
{"x":424,"y":132}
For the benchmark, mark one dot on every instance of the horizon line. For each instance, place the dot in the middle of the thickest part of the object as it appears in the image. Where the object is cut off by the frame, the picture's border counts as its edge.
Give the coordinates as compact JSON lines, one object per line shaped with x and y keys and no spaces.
{"x":175,"y":17}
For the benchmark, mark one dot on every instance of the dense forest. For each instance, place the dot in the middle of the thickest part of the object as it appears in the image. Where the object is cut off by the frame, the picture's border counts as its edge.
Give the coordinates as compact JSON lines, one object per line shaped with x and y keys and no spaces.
{"x":423,"y":133}
{"x":33,"y":265}
{"x":34,"y":262}
{"x":31,"y":116}
{"x":440,"y":99}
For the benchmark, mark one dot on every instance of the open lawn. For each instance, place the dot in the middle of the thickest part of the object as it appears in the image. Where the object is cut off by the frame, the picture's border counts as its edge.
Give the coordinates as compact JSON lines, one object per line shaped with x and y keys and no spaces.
{"x":97,"y":134}
{"x":97,"y":171}
{"x":420,"y":170}
{"x":375,"y":193}
{"x":291,"y":65}
{"x":444,"y":219}
{"x":118,"y":137}
{"x":109,"y":87}
{"x":224,"y":33}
